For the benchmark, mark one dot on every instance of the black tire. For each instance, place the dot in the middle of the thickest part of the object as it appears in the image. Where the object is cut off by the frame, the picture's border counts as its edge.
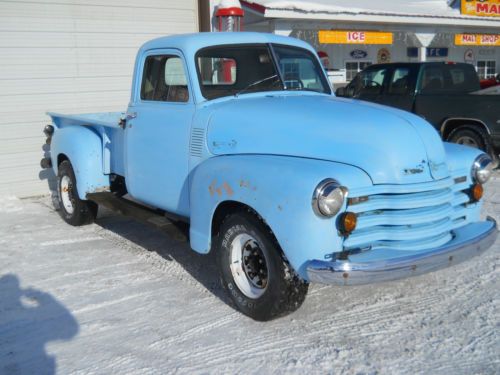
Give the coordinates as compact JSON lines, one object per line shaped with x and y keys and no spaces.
{"x":470,"y":136}
{"x":473,"y":136}
{"x":284,"y":291}
{"x":82,"y":212}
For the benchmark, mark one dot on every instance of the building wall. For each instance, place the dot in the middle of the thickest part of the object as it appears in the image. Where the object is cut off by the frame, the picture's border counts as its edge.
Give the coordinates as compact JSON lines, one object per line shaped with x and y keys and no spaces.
{"x":69,"y":56}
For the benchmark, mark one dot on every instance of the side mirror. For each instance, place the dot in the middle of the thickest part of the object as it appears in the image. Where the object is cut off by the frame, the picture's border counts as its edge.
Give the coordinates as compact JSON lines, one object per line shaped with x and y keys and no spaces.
{"x":341,"y":91}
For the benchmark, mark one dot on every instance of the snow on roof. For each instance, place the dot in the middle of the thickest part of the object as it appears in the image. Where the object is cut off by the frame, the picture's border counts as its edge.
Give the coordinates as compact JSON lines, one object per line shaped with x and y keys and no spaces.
{"x":409,"y":8}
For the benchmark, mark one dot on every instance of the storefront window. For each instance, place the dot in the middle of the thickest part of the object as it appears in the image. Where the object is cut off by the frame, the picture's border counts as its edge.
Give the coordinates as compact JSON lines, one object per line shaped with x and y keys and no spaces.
{"x":354,"y":67}
{"x":486,"y":69}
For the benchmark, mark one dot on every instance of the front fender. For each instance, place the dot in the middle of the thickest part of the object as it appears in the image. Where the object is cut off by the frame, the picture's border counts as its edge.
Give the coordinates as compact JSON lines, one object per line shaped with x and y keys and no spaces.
{"x":280,"y":189}
{"x":83,"y":147}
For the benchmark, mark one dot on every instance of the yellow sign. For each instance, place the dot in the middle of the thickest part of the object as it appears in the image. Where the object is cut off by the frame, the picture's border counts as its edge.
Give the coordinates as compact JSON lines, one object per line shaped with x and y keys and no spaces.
{"x":488,"y":8}
{"x":354,"y":37}
{"x":477,"y":39}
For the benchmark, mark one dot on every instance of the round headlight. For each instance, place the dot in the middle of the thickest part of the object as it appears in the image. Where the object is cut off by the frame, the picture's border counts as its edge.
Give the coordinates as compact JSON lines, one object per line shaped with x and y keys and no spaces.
{"x":482,"y":168}
{"x":328,"y":198}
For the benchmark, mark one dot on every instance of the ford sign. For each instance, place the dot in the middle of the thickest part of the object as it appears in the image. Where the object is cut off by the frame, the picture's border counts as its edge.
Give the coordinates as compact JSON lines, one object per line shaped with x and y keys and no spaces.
{"x":358,"y":54}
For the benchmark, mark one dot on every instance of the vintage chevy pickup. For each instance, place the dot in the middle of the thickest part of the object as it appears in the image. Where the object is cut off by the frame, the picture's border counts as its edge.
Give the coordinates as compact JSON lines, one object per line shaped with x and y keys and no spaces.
{"x":239,"y":136}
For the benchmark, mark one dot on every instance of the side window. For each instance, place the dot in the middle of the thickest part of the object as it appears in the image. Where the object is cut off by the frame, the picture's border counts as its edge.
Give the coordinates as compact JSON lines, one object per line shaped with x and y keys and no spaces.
{"x":400,"y":82}
{"x":433,"y":79}
{"x":486,"y":68}
{"x":164,"y":79}
{"x":372,"y":81}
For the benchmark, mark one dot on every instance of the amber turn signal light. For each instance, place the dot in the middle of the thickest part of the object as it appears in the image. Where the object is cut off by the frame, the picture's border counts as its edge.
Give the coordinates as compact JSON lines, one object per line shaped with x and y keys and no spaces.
{"x":347,"y":223}
{"x":476,"y":192}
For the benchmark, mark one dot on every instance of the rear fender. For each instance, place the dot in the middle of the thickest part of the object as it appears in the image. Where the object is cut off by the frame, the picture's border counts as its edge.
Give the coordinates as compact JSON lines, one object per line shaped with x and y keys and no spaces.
{"x":280,"y":190}
{"x":83,"y":147}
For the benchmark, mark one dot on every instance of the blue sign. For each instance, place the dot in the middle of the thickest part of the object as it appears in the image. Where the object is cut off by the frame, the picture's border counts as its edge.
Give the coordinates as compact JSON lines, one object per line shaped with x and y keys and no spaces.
{"x":430,"y":52}
{"x":437,"y":52}
{"x":412,"y":52}
{"x":358,"y":54}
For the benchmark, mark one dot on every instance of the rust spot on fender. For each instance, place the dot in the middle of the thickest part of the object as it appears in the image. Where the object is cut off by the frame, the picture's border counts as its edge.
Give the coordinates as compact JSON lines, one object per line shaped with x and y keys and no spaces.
{"x":247,"y":185}
{"x":211,"y":188}
{"x":228,"y":189}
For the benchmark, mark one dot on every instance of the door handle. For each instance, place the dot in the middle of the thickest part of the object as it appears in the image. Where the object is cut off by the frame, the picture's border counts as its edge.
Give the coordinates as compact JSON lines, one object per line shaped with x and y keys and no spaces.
{"x":126,"y":116}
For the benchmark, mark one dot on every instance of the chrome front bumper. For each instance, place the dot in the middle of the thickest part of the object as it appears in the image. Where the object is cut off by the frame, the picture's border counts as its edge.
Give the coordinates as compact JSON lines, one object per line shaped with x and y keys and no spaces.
{"x":469,"y":241}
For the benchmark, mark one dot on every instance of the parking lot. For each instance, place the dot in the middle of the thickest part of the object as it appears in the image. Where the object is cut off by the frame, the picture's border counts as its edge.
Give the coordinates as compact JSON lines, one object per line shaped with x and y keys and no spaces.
{"x":121,"y":297}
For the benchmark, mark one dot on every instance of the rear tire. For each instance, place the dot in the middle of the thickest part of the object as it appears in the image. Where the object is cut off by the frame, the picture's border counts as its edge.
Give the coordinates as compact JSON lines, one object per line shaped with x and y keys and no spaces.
{"x":473,"y":136}
{"x":253,"y":270}
{"x":469,"y":136}
{"x":72,"y":209}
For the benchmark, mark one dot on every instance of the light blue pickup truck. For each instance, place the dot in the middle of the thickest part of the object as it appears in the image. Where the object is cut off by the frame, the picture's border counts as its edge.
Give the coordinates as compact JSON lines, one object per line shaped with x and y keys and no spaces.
{"x":239,"y":136}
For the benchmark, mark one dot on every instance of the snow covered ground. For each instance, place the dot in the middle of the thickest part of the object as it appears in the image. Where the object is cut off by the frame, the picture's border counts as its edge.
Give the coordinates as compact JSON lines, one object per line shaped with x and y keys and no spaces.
{"x":119,"y":297}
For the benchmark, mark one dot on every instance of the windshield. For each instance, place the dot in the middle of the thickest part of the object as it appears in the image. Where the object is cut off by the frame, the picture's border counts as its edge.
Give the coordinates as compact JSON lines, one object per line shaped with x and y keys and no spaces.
{"x":240,"y":69}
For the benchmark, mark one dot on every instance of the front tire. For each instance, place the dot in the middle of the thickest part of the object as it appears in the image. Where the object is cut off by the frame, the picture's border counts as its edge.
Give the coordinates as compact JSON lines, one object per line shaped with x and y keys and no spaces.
{"x":253,"y":270}
{"x":72,"y":209}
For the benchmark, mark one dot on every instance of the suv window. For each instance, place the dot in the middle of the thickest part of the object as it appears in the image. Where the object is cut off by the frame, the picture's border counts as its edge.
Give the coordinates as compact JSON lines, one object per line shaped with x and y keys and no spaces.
{"x":371,"y":81}
{"x":449,"y":78}
{"x":400,"y":81}
{"x":164,"y":79}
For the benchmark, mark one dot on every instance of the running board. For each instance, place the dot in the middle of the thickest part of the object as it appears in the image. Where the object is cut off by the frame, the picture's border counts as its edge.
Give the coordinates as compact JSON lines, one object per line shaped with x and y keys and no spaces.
{"x":175,"y":226}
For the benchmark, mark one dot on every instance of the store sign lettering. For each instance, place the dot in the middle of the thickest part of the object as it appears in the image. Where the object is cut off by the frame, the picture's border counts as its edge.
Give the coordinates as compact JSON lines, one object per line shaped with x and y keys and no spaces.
{"x":477,"y":39}
{"x":489,"y":8}
{"x":437,"y":52}
{"x":354,"y":37}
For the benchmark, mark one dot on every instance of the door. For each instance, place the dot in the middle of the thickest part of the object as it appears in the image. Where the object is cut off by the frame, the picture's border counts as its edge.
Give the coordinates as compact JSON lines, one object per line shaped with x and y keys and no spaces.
{"x":400,"y":89}
{"x":157,"y":133}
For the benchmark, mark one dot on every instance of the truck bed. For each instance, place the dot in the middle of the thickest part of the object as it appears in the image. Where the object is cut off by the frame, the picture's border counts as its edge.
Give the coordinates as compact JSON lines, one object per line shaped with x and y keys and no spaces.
{"x":107,"y":119}
{"x":106,"y":124}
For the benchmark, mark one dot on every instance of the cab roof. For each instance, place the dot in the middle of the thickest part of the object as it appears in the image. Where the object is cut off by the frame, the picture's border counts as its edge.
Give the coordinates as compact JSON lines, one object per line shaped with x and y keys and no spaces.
{"x":191,"y":43}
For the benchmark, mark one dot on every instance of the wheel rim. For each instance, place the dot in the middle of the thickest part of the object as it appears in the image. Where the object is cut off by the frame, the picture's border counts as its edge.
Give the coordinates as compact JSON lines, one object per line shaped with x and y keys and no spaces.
{"x":249,"y":266}
{"x":66,"y":193}
{"x":467,"y":141}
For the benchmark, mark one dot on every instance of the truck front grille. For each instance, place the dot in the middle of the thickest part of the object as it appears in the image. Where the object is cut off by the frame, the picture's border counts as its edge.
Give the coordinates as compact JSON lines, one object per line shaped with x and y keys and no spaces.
{"x":408,"y":217}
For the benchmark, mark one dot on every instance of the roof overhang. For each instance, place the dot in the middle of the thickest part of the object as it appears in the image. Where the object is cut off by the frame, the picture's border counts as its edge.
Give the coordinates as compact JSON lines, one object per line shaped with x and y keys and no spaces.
{"x":278,"y":11}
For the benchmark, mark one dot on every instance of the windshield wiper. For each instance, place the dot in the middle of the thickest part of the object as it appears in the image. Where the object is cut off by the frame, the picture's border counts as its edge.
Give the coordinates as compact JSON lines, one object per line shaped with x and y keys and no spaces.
{"x":255,"y":84}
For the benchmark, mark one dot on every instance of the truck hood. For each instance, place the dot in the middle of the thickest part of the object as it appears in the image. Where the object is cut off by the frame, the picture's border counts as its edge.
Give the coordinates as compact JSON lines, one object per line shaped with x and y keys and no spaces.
{"x":391,"y":146}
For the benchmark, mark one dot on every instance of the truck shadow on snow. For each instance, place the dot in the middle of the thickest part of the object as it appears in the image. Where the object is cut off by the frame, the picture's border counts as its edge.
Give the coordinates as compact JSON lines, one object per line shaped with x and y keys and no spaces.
{"x":29,"y":319}
{"x":202,"y":268}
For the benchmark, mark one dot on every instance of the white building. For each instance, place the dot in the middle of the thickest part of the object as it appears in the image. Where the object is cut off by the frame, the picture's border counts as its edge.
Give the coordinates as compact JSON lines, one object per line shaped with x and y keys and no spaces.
{"x":356,"y":33}
{"x":69,"y":56}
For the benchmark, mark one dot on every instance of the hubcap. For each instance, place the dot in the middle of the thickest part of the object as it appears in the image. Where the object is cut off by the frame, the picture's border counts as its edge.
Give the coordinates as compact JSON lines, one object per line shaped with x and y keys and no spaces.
{"x":467,"y":141}
{"x":248,"y":266}
{"x":66,"y":193}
